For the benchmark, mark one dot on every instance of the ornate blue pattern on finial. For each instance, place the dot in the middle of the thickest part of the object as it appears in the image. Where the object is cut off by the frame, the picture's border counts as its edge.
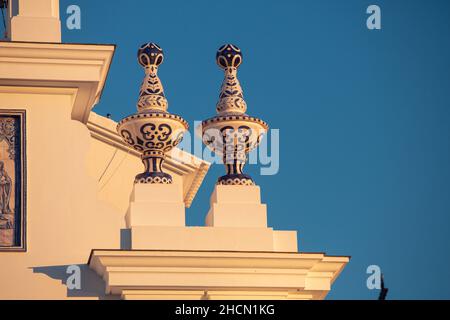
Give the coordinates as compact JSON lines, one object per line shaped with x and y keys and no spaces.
{"x":229,"y":56}
{"x":150,"y":54}
{"x":231,"y":98}
{"x":151,"y":96}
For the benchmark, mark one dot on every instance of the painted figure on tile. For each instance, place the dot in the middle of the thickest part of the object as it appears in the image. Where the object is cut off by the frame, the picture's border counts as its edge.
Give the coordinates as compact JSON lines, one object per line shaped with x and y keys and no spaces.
{"x":5,"y":192}
{"x":12,"y":180}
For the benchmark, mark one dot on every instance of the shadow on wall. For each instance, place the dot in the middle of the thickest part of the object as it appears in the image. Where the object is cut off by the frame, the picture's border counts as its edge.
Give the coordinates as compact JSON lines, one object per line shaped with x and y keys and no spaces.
{"x":91,"y":284}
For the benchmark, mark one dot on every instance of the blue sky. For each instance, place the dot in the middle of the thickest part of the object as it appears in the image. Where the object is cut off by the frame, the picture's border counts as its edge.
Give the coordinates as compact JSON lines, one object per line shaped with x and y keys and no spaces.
{"x":363,"y":118}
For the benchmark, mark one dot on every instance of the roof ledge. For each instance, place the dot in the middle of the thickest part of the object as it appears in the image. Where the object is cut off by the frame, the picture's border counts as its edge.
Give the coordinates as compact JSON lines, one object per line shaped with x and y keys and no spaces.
{"x":83,"y":67}
{"x":216,"y":275}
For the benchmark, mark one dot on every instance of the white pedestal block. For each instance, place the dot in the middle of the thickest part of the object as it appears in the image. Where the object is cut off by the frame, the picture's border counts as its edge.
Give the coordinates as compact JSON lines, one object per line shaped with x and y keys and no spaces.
{"x":237,"y":206}
{"x":285,"y":241}
{"x":248,"y":215}
{"x":202,"y":238}
{"x":156,"y":205}
{"x":237,"y":221}
{"x":157,"y":193}
{"x":34,"y":21}
{"x":213,"y":239}
{"x":35,"y":29}
{"x":236,"y":194}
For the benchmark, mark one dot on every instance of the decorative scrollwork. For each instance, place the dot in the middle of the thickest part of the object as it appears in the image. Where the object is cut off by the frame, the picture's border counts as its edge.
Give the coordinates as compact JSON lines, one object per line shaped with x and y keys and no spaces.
{"x":8,"y":133}
{"x":164,"y":132}
{"x":157,"y":137}
{"x":148,"y":131}
{"x":126,"y":135}
{"x":236,"y":141}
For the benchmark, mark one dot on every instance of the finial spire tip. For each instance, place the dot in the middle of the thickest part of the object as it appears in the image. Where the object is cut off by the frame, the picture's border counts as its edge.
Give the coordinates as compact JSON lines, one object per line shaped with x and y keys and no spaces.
{"x":150,"y":54}
{"x":229,"y":56}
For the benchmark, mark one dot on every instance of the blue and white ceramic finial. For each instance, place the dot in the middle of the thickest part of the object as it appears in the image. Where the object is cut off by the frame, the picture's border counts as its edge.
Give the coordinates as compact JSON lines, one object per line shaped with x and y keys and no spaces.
{"x":152,"y":131}
{"x":151,"y":96}
{"x":232,"y":133}
{"x":231,"y":99}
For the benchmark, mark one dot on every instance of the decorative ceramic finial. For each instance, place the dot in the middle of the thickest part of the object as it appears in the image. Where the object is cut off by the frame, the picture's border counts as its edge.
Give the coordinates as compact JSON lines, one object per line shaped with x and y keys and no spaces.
{"x":151,"y":96}
{"x":231,"y":99}
{"x":152,"y":131}
{"x":232,"y":133}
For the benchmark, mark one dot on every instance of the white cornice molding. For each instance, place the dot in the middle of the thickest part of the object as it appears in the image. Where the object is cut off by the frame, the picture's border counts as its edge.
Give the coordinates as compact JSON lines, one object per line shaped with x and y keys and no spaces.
{"x":50,"y":65}
{"x":128,"y":273}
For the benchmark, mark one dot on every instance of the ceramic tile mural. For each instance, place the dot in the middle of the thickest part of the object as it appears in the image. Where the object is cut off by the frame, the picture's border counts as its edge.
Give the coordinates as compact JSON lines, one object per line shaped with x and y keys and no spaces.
{"x":12,"y":180}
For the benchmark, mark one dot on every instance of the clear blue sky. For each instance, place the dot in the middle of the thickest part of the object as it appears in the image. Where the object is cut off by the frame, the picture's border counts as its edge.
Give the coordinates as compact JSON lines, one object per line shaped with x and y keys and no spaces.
{"x":364,"y":118}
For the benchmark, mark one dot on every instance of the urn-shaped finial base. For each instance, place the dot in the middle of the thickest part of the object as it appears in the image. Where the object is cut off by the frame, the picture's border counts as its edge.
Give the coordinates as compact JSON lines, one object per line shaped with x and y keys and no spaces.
{"x":152,"y":131}
{"x":232,"y":134}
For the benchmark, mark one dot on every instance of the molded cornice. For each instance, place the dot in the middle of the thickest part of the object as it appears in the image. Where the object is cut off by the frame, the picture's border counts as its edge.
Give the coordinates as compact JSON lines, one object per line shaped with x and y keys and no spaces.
{"x":83,"y":67}
{"x":211,"y":275}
